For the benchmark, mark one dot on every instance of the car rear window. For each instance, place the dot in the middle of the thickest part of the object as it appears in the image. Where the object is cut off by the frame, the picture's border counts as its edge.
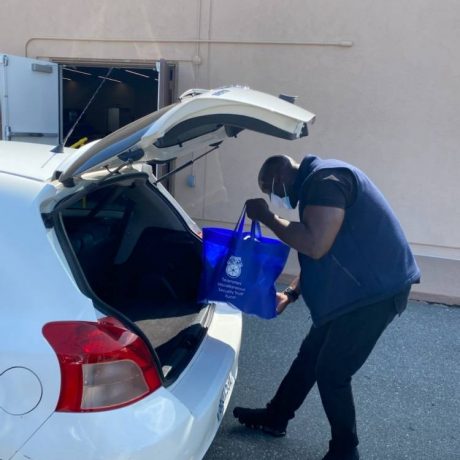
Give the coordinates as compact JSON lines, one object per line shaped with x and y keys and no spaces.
{"x":107,"y":202}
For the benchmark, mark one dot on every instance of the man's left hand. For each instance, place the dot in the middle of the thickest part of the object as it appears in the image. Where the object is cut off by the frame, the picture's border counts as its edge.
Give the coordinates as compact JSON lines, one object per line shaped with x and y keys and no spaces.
{"x":282,"y":301}
{"x":257,"y":209}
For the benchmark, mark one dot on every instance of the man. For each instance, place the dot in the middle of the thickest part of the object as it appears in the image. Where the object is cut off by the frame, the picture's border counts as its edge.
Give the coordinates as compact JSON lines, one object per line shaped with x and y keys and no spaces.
{"x":356,"y":273}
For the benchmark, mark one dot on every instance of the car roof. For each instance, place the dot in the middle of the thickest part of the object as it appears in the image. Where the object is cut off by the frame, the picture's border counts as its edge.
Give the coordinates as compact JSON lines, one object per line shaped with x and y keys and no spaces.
{"x":34,"y":161}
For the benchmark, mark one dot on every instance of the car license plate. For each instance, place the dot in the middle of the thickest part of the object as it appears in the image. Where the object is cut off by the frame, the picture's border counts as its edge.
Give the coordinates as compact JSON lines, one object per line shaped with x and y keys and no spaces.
{"x":225,"y":396}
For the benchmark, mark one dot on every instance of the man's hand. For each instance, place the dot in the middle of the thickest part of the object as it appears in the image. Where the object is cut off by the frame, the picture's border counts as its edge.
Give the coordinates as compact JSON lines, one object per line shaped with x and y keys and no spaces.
{"x":257,"y":209}
{"x":282,"y":301}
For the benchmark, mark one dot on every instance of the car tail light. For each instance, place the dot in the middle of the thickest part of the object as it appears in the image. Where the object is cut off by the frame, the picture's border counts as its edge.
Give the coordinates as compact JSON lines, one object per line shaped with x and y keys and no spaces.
{"x":103,"y":365}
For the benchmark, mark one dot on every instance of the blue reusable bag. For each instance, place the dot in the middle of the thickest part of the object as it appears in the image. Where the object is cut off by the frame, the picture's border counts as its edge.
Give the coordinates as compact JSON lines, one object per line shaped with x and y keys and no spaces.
{"x":241,"y":268}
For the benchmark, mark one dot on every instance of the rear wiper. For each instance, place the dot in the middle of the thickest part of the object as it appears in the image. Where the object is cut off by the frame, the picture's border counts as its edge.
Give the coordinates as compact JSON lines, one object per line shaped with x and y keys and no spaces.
{"x":116,"y":170}
{"x":131,"y":156}
{"x":127,"y":159}
{"x":185,"y":165}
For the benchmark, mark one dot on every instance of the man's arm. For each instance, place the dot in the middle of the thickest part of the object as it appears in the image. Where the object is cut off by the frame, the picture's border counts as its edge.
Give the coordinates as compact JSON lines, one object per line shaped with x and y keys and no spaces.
{"x":313,"y":236}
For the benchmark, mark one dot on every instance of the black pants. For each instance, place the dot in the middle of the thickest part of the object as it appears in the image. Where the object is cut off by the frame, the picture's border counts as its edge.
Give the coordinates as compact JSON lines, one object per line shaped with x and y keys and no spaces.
{"x":329,"y":356}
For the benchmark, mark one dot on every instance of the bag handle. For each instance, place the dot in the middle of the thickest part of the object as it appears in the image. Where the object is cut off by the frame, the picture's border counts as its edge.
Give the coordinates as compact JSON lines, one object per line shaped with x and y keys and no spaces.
{"x":256,"y":231}
{"x":239,"y":227}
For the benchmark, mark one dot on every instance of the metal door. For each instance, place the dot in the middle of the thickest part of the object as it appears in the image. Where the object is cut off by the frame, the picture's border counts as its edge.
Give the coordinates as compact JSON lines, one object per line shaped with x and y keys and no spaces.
{"x":29,"y":100}
{"x":166,"y":83}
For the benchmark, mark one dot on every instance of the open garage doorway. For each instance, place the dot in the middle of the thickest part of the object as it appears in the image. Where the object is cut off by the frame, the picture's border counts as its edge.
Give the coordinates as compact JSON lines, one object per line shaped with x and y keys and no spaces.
{"x":127,"y":94}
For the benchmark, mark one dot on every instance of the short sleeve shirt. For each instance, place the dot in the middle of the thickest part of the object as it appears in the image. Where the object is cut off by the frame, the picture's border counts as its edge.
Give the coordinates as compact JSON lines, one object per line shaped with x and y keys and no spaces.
{"x":330,"y":187}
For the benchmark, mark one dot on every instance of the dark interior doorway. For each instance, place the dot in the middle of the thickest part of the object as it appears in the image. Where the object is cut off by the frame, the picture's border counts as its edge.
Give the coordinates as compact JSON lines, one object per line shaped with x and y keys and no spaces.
{"x":126,"y":95}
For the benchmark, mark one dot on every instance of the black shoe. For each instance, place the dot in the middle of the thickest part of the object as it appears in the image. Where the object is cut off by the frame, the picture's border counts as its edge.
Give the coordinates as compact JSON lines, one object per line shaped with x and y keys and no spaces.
{"x":260,"y":419}
{"x":335,"y":455}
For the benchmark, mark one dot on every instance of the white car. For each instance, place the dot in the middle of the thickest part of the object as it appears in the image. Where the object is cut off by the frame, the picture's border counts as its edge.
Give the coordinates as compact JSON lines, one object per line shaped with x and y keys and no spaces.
{"x":106,"y":354}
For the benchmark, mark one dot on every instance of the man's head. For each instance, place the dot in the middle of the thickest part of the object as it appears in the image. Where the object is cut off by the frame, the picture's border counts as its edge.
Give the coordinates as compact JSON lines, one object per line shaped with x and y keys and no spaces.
{"x":277,"y":175}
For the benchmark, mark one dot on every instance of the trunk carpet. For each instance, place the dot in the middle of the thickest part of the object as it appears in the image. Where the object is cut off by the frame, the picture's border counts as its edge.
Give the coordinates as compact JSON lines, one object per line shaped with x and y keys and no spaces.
{"x":165,"y":322}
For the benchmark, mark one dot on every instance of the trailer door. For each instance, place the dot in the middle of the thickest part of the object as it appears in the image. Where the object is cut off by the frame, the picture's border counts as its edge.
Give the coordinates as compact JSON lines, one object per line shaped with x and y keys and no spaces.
{"x":29,"y":100}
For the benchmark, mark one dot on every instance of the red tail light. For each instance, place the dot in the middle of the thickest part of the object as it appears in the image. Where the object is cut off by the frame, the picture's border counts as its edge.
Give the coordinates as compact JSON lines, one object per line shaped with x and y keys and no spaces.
{"x":103,"y":365}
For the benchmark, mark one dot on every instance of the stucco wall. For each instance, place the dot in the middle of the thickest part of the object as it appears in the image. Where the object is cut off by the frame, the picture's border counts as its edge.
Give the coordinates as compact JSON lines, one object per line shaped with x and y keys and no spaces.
{"x":388,"y":103}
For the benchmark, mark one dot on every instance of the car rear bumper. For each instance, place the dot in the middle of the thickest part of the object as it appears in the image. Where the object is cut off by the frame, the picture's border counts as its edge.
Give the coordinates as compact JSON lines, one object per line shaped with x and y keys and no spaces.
{"x":178,"y":422}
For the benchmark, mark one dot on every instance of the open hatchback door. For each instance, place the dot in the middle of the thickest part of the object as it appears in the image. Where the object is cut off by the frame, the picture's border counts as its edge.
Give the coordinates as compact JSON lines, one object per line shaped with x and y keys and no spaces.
{"x":201,"y":119}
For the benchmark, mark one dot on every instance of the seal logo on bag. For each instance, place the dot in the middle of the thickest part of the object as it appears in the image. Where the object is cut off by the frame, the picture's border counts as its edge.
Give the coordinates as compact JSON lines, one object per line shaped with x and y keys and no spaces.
{"x":234,"y":265}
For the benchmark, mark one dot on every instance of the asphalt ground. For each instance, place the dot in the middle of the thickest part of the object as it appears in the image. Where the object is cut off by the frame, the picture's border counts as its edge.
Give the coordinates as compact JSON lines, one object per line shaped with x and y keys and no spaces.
{"x":407,"y":394}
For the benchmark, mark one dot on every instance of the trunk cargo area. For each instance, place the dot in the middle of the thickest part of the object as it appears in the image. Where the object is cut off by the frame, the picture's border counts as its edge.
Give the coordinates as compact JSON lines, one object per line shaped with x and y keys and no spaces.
{"x":140,"y":259}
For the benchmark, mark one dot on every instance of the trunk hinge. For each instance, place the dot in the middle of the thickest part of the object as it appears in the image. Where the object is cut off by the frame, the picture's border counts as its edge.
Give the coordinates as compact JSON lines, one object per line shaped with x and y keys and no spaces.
{"x":48,"y":220}
{"x":5,"y":60}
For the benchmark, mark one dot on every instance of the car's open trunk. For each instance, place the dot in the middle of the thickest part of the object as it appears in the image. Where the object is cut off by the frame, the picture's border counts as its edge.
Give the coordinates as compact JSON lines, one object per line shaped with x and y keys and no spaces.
{"x":140,"y":258}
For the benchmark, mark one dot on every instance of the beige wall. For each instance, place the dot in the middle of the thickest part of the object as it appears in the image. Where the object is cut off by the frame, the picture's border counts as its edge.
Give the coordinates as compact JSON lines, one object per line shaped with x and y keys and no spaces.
{"x":388,"y":103}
